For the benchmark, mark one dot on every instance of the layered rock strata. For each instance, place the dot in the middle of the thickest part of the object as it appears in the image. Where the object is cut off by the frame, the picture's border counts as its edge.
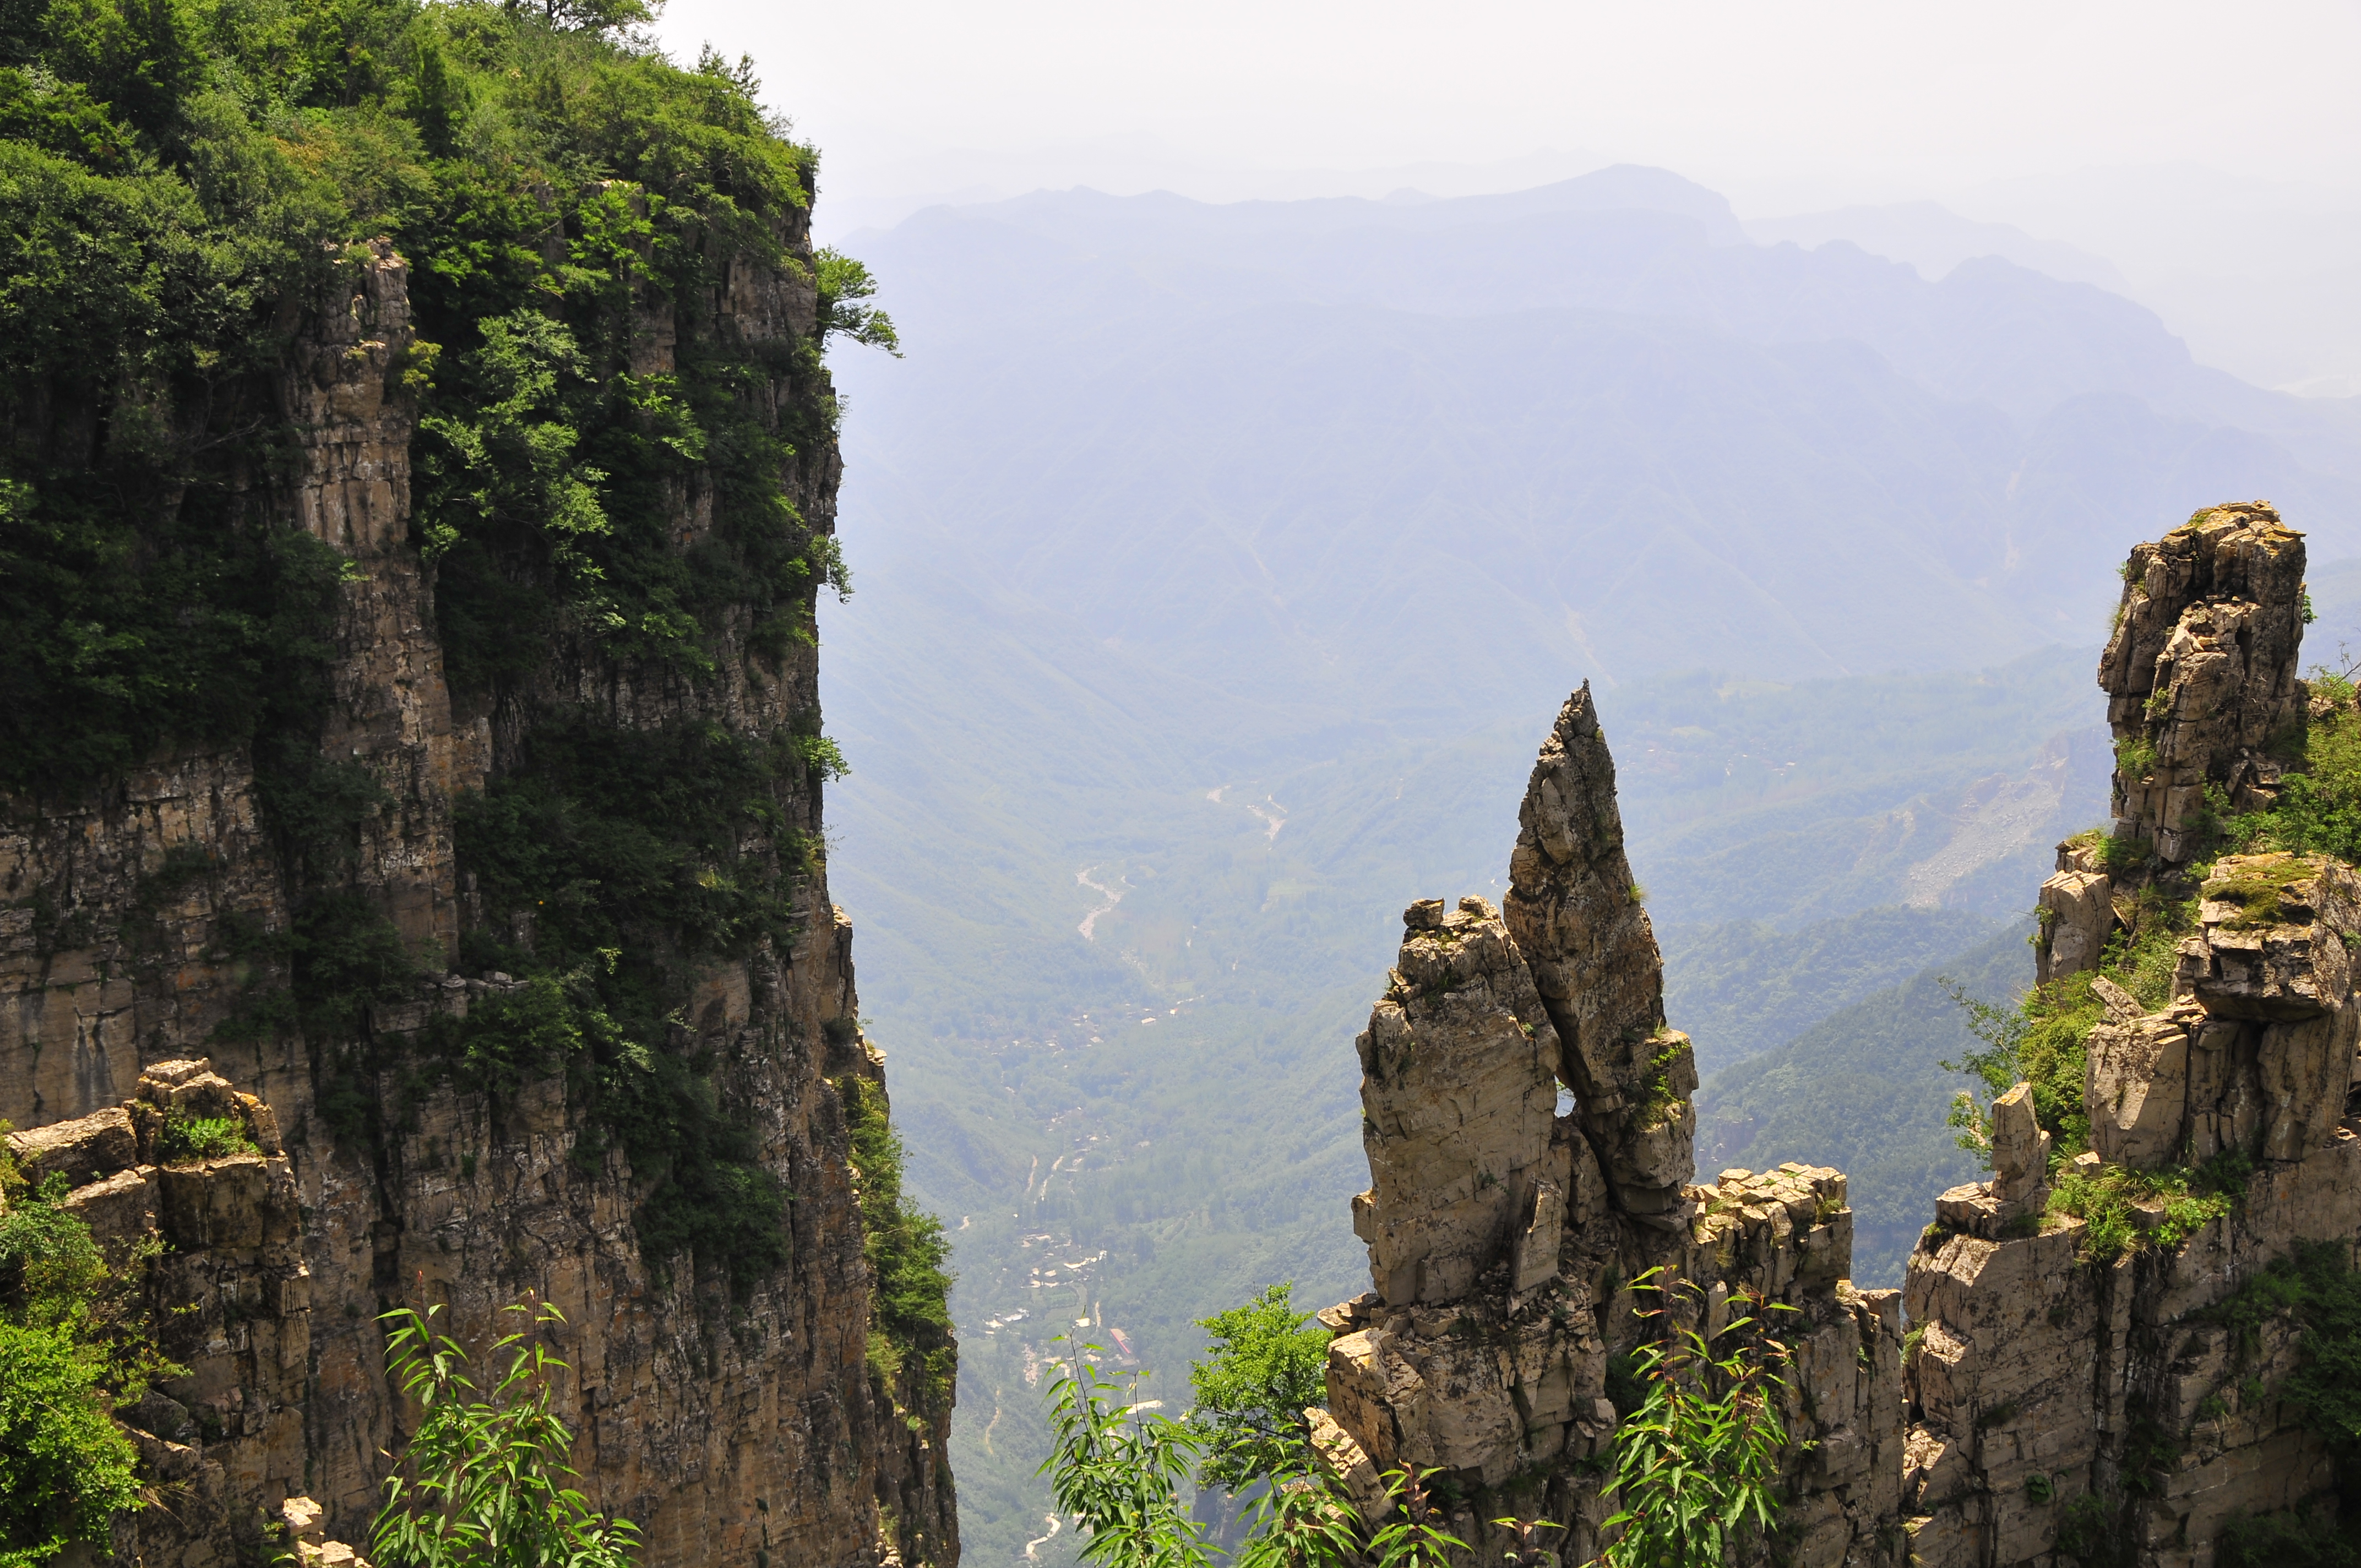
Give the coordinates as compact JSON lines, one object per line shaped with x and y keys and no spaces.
{"x":739,"y":1429}
{"x":2052,"y":1406}
{"x":2054,"y":1397}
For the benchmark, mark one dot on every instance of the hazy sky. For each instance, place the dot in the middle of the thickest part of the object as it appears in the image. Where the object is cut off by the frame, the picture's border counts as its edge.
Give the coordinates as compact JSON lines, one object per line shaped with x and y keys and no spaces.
{"x":2212,"y":152}
{"x":1888,"y":97}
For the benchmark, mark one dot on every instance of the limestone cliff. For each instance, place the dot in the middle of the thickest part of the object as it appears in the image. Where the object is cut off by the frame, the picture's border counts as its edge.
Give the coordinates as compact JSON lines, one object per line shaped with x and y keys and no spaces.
{"x":734,"y":1406}
{"x":2061,"y":1394}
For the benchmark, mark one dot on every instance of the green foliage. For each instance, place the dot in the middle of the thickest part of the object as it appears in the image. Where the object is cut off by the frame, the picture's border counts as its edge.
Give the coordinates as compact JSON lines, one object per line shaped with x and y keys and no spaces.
{"x":180,"y":176}
{"x":1661,"y":1100}
{"x":1697,"y":1466}
{"x":186,"y":1139}
{"x":609,"y":865}
{"x":74,"y":1339}
{"x":662,"y":844}
{"x":2111,"y":1202}
{"x":845,"y":289}
{"x":2255,"y":885}
{"x":2287,"y":1539}
{"x":1297,"y":1520}
{"x":2317,"y":1288}
{"x":2318,"y":808}
{"x":2088,"y":1533}
{"x":55,"y":1277}
{"x":483,"y":1482}
{"x":51,"y":1269}
{"x":2124,"y":854}
{"x":906,"y":1252}
{"x":2043,"y":1040}
{"x":1413,"y":1536}
{"x":1116,"y":1470}
{"x":1266,"y":1363}
{"x":2135,"y":757}
{"x":65,"y":1468}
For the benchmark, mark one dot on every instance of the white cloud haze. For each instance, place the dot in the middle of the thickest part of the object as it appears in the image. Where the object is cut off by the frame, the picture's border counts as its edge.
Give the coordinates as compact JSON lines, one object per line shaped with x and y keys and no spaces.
{"x":2208,"y":152}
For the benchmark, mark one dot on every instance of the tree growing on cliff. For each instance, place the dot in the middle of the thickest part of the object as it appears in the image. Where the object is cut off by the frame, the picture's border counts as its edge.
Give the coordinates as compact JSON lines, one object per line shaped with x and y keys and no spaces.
{"x":1266,"y":1363}
{"x":484,"y":1481}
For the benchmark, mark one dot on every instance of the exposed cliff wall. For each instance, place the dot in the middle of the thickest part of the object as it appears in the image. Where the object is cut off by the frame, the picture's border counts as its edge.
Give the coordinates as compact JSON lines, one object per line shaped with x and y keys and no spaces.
{"x":2090,"y":1374}
{"x":729,"y":1398}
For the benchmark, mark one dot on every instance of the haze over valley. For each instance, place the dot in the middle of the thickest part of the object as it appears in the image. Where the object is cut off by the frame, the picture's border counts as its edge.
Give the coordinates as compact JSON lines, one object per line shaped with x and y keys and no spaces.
{"x":1219,"y":568}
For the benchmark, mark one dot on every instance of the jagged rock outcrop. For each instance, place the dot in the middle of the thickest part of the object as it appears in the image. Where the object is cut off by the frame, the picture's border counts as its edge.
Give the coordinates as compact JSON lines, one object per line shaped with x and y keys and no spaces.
{"x":2203,"y":696}
{"x":1576,"y":912}
{"x":2058,"y":1401}
{"x":1505,"y":1240}
{"x":2201,"y":669}
{"x":2063,"y":1404}
{"x":740,"y":1428}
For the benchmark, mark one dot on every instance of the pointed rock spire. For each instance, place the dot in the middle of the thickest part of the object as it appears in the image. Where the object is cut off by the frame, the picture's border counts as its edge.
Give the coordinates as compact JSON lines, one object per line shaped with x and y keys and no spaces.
{"x":1576,"y":913}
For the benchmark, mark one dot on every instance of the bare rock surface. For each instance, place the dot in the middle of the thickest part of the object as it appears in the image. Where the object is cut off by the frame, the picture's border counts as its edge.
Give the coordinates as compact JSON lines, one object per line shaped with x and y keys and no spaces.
{"x":1514,"y":1250}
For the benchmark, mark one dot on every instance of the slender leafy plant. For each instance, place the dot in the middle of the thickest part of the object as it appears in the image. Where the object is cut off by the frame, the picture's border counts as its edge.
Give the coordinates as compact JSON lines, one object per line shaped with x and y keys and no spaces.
{"x":1115,"y":1468}
{"x":1299,"y":1520}
{"x":1697,"y":1466}
{"x":1413,"y":1536}
{"x":484,"y":1482}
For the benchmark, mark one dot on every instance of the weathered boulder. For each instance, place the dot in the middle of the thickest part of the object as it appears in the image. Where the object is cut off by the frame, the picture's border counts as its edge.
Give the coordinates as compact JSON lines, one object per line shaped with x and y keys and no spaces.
{"x":118,"y":1207}
{"x":236,"y":1201}
{"x":2271,"y":967}
{"x":1777,"y":1231}
{"x":1335,"y":1450}
{"x":2020,"y":1149}
{"x":2076,"y":920}
{"x":2136,"y":1085}
{"x":80,"y":1150}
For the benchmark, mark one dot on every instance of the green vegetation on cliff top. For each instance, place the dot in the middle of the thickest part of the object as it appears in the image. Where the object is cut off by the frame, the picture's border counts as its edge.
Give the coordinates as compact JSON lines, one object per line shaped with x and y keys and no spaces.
{"x":180,"y":181}
{"x":178,"y":177}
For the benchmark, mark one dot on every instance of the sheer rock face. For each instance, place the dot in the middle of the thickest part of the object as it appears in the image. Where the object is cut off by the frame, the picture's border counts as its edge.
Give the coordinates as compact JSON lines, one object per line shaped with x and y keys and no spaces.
{"x":1575,"y":910}
{"x":730,"y":1430}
